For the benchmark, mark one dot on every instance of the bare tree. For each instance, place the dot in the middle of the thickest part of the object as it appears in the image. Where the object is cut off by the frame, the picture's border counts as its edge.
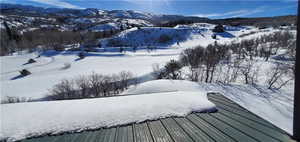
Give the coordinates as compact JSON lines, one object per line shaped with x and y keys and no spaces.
{"x":82,"y":83}
{"x":63,"y":90}
{"x":193,"y":58}
{"x":211,"y":59}
{"x":248,"y":71}
{"x":116,"y":84}
{"x":95,"y":81}
{"x":277,"y":76}
{"x":125,"y":77}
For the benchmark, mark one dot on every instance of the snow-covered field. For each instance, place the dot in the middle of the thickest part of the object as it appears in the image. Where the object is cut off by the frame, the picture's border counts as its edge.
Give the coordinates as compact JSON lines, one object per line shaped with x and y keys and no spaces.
{"x":29,"y":119}
{"x":76,"y":115}
{"x":47,"y":71}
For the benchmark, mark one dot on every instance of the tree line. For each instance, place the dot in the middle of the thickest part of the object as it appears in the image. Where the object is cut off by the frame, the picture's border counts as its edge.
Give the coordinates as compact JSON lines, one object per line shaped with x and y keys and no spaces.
{"x":228,"y":63}
{"x":92,"y":86}
{"x":13,"y":40}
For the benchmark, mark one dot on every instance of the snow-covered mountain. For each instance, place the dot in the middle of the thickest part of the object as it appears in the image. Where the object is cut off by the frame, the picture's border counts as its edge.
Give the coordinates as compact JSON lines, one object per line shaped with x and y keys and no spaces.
{"x":25,"y":18}
{"x":89,"y":12}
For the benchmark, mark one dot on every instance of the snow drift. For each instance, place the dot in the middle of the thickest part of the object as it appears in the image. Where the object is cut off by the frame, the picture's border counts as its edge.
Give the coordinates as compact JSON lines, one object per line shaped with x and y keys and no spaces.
{"x":164,"y":85}
{"x":39,"y":118}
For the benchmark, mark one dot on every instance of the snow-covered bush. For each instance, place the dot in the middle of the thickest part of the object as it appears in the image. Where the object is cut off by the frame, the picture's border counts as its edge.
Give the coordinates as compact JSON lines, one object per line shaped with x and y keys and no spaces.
{"x":66,"y":66}
{"x":25,"y":72}
{"x":30,"y":61}
{"x":9,"y":99}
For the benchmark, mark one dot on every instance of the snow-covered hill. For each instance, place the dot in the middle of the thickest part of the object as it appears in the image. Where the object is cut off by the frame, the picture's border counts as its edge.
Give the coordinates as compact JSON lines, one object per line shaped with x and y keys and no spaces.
{"x":34,"y":16}
{"x":47,"y":71}
{"x":181,"y":35}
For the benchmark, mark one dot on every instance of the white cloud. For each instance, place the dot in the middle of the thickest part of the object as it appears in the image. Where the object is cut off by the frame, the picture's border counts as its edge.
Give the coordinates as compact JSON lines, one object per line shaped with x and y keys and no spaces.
{"x":237,"y":13}
{"x":250,"y":12}
{"x":57,"y":3}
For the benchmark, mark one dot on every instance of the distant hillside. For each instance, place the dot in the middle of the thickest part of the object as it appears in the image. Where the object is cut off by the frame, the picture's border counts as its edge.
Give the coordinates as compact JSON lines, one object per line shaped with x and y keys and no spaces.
{"x":22,"y":10}
{"x":154,"y":19}
{"x":261,"y":21}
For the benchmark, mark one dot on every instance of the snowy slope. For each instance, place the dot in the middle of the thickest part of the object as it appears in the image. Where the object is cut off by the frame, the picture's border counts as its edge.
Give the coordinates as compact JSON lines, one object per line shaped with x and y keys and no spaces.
{"x":105,"y":27}
{"x":187,"y":35}
{"x":30,"y":119}
{"x":151,"y":36}
{"x":47,"y":71}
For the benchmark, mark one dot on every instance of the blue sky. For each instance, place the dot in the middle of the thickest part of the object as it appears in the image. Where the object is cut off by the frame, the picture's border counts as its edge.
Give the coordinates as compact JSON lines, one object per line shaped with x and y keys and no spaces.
{"x":203,"y":8}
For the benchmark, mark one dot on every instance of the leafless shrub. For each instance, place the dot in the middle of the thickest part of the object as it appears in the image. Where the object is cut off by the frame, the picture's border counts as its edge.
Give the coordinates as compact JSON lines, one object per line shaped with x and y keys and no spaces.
{"x":125,"y":77}
{"x":263,"y":46}
{"x":192,"y":59}
{"x":63,"y":91}
{"x":228,"y":62}
{"x":248,"y":71}
{"x":10,"y":99}
{"x":292,"y":49}
{"x":235,"y":71}
{"x":277,"y":76}
{"x":82,"y":84}
{"x":203,"y":62}
{"x":91,"y":86}
{"x":95,"y":81}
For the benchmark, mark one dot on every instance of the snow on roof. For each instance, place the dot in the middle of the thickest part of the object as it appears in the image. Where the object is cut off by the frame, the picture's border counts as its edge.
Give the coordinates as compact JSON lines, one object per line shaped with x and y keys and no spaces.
{"x":38,"y":118}
{"x":163,"y":85}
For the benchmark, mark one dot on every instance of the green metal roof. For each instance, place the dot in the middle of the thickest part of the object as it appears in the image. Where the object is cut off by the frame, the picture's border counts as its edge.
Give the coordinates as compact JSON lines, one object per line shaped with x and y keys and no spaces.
{"x":231,"y":123}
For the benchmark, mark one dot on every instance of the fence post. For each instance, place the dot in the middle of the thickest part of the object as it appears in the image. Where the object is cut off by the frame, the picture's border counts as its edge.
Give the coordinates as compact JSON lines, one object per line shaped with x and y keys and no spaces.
{"x":296,"y":124}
